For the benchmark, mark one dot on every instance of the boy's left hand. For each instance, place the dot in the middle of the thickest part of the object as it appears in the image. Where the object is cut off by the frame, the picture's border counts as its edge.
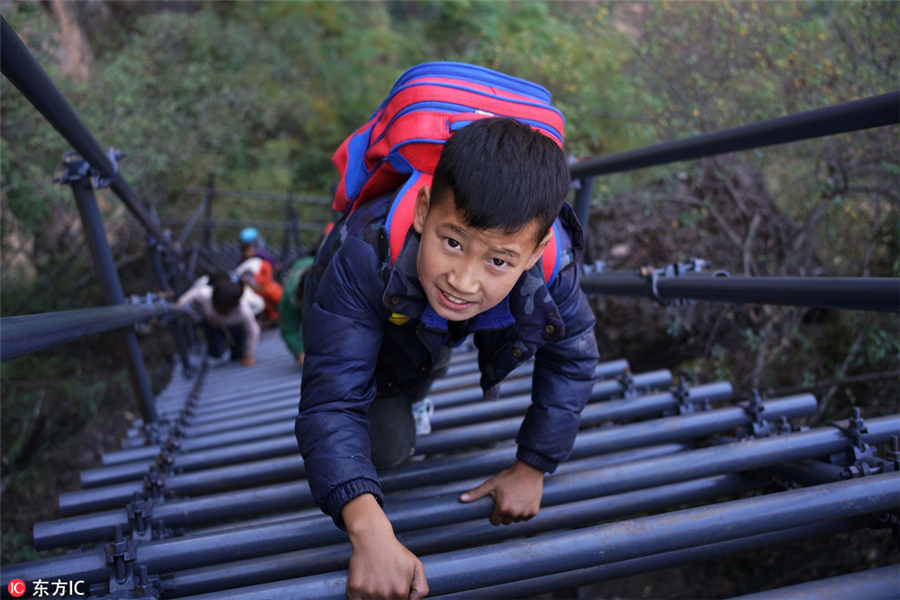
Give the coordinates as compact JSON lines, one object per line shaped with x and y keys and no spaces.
{"x":516,"y":491}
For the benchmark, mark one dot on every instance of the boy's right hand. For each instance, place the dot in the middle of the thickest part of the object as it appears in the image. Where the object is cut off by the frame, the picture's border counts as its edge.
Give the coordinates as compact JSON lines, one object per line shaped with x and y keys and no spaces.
{"x":380,"y":566}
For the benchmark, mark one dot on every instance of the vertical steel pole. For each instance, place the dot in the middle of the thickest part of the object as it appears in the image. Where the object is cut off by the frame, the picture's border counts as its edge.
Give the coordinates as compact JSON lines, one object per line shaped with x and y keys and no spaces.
{"x":290,"y":215}
{"x":583,"y":203}
{"x":207,"y":200}
{"x":112,"y":287}
{"x":295,"y":235}
{"x":175,"y":328}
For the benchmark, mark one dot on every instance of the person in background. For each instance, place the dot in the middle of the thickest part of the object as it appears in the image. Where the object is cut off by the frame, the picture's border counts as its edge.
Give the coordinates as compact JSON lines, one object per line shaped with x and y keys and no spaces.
{"x":252,"y":245}
{"x":228,"y":320}
{"x":257,"y":271}
{"x":290,"y":309}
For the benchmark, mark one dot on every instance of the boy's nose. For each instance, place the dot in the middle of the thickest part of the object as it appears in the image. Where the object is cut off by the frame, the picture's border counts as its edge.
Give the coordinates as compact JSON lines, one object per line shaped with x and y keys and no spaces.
{"x":464,"y":278}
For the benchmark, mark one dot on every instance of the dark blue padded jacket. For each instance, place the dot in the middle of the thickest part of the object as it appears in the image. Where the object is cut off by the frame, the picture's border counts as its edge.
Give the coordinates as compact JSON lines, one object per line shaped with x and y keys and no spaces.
{"x":369,"y":331}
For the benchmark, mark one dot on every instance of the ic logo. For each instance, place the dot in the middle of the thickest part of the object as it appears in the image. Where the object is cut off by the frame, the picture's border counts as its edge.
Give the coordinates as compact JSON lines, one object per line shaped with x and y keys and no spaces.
{"x":17,"y":588}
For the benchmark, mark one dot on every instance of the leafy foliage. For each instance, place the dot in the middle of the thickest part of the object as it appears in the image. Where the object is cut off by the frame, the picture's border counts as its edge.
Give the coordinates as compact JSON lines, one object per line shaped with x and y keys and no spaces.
{"x":820,"y":207}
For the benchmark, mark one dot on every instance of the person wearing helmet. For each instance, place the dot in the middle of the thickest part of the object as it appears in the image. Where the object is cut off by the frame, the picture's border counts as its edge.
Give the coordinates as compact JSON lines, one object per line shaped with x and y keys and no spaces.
{"x":257,"y":270}
{"x":252,"y":245}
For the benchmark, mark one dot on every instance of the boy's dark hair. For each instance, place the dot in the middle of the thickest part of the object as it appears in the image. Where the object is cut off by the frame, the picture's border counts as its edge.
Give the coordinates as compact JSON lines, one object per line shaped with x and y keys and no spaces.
{"x":227,"y":293}
{"x":503,"y":175}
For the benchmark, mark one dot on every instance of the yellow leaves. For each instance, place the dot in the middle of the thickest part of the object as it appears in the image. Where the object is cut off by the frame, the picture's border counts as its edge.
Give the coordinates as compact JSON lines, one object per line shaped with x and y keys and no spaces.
{"x":696,"y":112}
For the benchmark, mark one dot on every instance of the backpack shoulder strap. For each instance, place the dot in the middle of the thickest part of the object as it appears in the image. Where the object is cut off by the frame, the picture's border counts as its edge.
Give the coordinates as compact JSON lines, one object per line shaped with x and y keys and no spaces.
{"x":550,"y":259}
{"x":402,"y":213}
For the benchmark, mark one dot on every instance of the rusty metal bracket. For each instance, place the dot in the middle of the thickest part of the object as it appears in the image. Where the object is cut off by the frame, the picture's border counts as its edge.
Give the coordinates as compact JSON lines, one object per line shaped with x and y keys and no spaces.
{"x":119,"y":553}
{"x":139,"y":511}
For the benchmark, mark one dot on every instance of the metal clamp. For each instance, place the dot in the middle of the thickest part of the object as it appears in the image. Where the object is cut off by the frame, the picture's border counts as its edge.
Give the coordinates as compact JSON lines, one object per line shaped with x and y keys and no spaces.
{"x":139,"y":511}
{"x":157,"y":433}
{"x":893,"y":455}
{"x":77,"y":168}
{"x":146,"y":586}
{"x":165,"y":463}
{"x":859,"y":458}
{"x":676,"y":269}
{"x":138,"y":584}
{"x":682,"y":393}
{"x":598,"y":266}
{"x":150,"y":299}
{"x":627,"y":383}
{"x":155,"y":485}
{"x":159,"y":531}
{"x":119,"y":552}
{"x":758,"y":426}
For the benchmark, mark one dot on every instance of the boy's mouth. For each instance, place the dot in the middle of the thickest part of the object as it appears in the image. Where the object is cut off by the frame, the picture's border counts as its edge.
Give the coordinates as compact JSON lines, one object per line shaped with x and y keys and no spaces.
{"x":453,"y":302}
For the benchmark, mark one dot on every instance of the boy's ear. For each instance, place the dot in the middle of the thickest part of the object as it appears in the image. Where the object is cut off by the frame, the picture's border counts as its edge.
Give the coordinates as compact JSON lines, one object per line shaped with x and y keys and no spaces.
{"x":539,"y":249}
{"x":423,"y":201}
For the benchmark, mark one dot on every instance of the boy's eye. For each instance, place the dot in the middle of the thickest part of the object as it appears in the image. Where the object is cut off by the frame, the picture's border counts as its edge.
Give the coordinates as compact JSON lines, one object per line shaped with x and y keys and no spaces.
{"x":452,"y":243}
{"x":498,"y":262}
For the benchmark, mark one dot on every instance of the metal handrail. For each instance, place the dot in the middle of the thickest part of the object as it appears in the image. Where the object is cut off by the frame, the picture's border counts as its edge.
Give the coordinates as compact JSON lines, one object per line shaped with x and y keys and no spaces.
{"x":317,"y":200}
{"x":317,"y":227}
{"x":866,"y":113}
{"x":854,"y":293}
{"x":21,"y":68}
{"x":851,"y":293}
{"x":27,"y":334}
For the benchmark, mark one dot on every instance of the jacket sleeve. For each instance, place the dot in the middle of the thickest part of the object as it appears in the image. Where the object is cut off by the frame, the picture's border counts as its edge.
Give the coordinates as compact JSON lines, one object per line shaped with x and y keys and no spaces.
{"x":562,"y":380}
{"x":343,"y":335}
{"x":194,"y":294}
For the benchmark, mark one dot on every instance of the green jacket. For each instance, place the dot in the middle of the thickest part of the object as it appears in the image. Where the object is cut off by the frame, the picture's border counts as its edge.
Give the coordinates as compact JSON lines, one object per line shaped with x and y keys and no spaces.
{"x":290,"y":317}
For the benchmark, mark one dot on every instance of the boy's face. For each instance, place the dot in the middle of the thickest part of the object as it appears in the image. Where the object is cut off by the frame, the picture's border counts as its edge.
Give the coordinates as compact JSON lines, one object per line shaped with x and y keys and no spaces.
{"x":463,"y":270}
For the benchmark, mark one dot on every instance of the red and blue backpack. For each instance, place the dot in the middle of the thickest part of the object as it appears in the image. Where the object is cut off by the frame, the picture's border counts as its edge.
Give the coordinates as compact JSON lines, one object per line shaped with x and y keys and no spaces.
{"x":400,"y":144}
